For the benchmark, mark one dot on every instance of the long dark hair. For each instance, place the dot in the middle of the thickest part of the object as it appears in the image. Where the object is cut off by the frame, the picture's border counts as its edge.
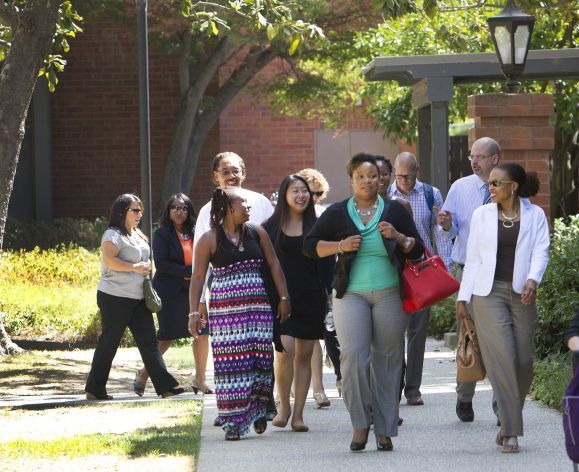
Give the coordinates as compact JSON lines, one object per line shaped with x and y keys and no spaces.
{"x":281,"y":214}
{"x":119,"y":211}
{"x":220,"y":205}
{"x":528,"y":181}
{"x":189,"y":224}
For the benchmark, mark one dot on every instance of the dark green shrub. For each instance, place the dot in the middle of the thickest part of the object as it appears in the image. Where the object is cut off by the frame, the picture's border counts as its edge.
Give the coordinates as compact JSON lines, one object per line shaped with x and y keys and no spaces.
{"x":558,"y":294}
{"x":67,"y":231}
{"x":442,"y":318}
{"x":551,"y":377}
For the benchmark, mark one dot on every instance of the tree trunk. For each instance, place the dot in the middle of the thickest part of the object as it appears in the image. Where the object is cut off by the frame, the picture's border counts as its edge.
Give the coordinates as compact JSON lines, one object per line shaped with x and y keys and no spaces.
{"x":6,"y":345}
{"x":193,"y":90}
{"x":253,"y":62}
{"x":33,"y":28}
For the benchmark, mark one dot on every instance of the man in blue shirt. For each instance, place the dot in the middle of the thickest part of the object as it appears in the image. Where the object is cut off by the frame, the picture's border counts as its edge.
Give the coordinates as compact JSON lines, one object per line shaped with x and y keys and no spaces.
{"x":424,"y":199}
{"x":464,"y":197}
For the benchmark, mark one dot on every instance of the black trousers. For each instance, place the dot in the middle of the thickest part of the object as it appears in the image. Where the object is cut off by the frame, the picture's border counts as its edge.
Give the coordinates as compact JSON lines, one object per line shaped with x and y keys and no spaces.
{"x":117,"y":314}
{"x":333,"y":349}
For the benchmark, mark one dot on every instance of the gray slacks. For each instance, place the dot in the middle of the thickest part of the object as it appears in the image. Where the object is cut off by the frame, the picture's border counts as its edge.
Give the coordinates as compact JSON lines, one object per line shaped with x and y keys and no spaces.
{"x":370,"y":328}
{"x":417,"y":329}
{"x":505,"y":329}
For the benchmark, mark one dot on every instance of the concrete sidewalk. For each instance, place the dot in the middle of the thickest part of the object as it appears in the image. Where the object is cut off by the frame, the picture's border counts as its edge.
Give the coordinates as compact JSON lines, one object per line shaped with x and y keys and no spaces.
{"x":431,"y":438}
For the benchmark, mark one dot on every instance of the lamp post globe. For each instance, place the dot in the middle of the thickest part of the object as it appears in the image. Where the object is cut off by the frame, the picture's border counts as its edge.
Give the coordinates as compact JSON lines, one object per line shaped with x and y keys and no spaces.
{"x":511,"y":32}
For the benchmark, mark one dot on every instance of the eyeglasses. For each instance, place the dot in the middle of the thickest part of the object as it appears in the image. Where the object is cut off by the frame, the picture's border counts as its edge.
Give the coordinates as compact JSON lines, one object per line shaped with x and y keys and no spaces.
{"x":319,"y":193}
{"x":135,"y":210}
{"x":478,"y":157}
{"x":228,"y":172}
{"x":179,"y":208}
{"x":498,"y":183}
{"x":404,"y":176}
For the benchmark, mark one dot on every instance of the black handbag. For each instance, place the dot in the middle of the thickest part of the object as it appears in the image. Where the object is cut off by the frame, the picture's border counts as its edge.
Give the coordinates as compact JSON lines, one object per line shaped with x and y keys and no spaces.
{"x":152,"y":299}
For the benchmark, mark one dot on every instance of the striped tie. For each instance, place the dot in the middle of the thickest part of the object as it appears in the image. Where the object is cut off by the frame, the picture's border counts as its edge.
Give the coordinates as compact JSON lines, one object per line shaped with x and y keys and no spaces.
{"x":487,"y":195}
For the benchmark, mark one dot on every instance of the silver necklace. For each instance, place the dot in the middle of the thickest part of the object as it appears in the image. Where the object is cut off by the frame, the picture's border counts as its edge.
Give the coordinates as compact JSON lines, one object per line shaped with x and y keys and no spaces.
{"x":366,"y":212}
{"x":237,"y":242}
{"x":509,"y":221}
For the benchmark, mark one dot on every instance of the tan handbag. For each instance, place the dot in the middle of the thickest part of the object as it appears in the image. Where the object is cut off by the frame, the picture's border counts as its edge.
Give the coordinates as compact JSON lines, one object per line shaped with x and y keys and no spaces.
{"x":469,"y":361}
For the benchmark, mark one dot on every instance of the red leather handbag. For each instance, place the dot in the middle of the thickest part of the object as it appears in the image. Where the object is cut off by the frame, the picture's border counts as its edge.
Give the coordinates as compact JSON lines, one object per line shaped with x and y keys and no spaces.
{"x":426,"y":282}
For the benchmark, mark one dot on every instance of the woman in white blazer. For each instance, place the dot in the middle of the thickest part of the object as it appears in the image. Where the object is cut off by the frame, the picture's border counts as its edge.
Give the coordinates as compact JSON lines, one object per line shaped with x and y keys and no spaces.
{"x":507,"y":254}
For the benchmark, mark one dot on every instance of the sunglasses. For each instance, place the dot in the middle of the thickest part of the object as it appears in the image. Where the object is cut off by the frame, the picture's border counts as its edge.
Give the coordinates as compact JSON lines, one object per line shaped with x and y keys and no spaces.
{"x":180,"y":208}
{"x":318,"y":193}
{"x":135,"y":210}
{"x":498,"y":183}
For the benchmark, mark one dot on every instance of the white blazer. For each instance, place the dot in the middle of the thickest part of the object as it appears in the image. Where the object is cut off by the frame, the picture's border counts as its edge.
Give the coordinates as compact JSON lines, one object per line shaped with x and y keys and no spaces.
{"x":531,"y":253}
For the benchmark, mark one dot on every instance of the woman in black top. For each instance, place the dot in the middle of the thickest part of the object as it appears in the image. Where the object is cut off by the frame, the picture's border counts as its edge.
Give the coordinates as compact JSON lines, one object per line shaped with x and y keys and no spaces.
{"x":294,"y":215}
{"x":372,"y":238}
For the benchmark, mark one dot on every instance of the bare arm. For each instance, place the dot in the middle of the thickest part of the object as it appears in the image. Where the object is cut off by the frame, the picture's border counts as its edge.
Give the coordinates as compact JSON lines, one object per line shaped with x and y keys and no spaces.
{"x":205,"y":247}
{"x":110,"y":255}
{"x":284,"y":307}
{"x":329,"y":248}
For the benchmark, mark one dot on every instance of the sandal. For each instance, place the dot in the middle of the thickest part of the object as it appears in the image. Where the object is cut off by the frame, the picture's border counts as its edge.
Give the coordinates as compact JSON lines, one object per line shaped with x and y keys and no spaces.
{"x":232,"y":434}
{"x":321,"y":400}
{"x":201,"y":387}
{"x":260,"y":425}
{"x":510,"y":444}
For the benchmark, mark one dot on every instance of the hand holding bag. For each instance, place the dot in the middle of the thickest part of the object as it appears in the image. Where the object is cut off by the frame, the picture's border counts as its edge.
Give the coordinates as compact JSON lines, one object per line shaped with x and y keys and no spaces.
{"x":469,"y":361}
{"x":152,"y":299}
{"x":426,"y":282}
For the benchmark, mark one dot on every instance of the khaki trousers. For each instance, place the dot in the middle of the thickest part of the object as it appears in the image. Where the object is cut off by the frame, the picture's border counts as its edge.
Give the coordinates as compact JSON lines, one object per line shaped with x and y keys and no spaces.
{"x":505,"y":329}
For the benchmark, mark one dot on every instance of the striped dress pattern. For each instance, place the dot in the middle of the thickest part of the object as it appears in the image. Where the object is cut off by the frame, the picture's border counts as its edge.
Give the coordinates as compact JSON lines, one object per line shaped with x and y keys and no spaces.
{"x":241,"y":326}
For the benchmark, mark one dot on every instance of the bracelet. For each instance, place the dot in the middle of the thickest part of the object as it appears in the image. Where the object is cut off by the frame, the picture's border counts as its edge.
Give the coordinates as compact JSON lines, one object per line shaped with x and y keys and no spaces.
{"x":193,"y":314}
{"x":284,"y":298}
{"x":340,"y":247}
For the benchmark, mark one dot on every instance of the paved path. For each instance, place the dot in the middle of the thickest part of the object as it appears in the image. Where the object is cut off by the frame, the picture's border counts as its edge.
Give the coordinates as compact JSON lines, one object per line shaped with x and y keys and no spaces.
{"x":431,"y":438}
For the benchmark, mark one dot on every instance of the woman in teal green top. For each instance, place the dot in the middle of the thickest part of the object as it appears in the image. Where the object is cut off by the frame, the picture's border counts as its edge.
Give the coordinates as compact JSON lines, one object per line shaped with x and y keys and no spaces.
{"x":372,"y":237}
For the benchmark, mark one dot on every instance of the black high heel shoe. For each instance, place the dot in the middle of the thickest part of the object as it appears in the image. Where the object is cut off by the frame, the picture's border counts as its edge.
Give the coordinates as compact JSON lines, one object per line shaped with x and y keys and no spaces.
{"x":99,"y":396}
{"x":359,"y":446}
{"x":384,"y":445}
{"x":172,"y":392}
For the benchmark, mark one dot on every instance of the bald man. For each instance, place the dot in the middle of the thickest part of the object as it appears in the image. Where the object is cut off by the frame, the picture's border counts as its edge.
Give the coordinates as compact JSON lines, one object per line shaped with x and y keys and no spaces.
{"x":464,"y":197}
{"x":424,"y":201}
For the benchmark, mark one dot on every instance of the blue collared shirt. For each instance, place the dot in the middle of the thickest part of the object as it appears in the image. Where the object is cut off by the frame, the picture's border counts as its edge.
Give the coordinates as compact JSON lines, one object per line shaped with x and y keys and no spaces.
{"x":464,"y":197}
{"x":424,"y":220}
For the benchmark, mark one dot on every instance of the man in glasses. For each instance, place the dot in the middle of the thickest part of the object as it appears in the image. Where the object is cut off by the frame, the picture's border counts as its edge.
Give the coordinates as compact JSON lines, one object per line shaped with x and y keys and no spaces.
{"x":464,"y":197}
{"x":424,"y":200}
{"x":229,"y":172}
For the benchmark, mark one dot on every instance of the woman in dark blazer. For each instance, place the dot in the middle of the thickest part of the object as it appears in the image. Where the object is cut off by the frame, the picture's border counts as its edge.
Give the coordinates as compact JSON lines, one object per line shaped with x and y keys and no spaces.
{"x":173,"y":252}
{"x":372,"y":237}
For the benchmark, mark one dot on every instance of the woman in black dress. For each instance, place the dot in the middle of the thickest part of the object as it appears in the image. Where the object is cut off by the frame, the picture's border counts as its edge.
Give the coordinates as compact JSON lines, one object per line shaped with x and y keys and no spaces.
{"x":294,"y":339}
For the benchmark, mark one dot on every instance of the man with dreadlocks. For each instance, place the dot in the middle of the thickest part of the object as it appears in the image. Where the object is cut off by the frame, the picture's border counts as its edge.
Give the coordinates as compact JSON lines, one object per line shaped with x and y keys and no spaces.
{"x":240,"y":312}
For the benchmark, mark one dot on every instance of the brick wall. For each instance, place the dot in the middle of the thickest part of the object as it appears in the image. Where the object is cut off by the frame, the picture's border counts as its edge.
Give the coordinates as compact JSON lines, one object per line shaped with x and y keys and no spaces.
{"x":520,"y":123}
{"x":95,"y":121}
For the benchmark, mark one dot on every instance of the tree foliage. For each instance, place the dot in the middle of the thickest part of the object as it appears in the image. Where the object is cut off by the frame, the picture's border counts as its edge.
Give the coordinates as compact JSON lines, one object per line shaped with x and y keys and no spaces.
{"x":330,"y":77}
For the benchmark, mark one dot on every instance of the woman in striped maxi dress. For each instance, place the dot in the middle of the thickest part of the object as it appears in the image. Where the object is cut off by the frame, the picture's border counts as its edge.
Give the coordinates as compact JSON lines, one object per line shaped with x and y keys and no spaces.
{"x":241,"y":325}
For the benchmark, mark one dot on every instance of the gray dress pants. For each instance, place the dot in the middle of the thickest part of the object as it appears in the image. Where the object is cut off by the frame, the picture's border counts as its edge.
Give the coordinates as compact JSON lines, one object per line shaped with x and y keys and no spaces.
{"x":370,"y":328}
{"x":417,"y":329}
{"x":505,"y":329}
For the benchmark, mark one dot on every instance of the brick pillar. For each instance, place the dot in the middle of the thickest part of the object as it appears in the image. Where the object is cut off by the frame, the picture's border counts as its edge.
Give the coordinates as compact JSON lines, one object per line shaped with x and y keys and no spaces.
{"x":520,"y":124}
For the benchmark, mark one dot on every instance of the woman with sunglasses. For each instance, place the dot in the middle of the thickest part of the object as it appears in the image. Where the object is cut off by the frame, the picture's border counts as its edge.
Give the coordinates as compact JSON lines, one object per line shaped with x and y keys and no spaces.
{"x":125,"y":264}
{"x":173,"y":254}
{"x":507,"y":254}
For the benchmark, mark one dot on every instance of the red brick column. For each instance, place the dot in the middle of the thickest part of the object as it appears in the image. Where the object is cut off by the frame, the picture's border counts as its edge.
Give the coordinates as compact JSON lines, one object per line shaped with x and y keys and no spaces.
{"x":520,"y":123}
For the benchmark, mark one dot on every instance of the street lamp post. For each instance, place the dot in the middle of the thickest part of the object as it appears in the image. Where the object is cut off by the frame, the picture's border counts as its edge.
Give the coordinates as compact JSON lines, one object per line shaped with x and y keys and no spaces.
{"x":511,"y":31}
{"x":144,"y":123}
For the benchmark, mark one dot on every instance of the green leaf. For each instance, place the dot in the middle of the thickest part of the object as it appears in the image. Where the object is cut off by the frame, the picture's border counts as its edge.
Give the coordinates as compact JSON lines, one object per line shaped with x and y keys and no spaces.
{"x":271,"y":32}
{"x":262,"y":21}
{"x":430,"y":7}
{"x":294,"y":45}
{"x":214,"y":29}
